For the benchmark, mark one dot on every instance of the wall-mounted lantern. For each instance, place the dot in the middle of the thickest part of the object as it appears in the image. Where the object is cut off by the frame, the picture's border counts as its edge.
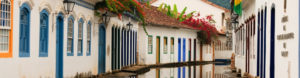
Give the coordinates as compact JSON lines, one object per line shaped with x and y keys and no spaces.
{"x":234,"y":21}
{"x":105,"y":18}
{"x":129,"y":25}
{"x":69,"y":5}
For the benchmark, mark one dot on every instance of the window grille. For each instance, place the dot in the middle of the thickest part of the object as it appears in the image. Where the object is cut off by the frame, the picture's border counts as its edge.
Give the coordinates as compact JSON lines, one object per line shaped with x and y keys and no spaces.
{"x":4,"y":25}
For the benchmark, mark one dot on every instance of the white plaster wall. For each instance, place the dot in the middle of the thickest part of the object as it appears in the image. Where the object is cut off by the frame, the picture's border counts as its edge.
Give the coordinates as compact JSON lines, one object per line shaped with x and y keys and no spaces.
{"x":241,"y":58}
{"x":288,"y":67}
{"x":115,"y":21}
{"x":225,"y":54}
{"x":285,"y":67}
{"x":35,"y":66}
{"x":145,"y":58}
{"x":155,"y":31}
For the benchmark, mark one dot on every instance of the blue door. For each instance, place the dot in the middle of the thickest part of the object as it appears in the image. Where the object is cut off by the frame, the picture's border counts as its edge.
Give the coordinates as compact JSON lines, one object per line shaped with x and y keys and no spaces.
{"x":258,"y":46}
{"x":59,"y":45}
{"x":179,"y":57}
{"x":184,"y":56}
{"x":272,"y":67}
{"x":101,"y":58}
{"x":264,"y":46}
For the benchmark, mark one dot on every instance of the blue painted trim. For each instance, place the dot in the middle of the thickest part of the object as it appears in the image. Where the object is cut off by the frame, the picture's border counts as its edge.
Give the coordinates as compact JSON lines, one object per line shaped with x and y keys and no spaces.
{"x":265,"y":27}
{"x":59,"y":46}
{"x":184,"y":56}
{"x":46,"y":30}
{"x":123,"y":48}
{"x":102,"y":49}
{"x":222,"y":60}
{"x":135,"y":47}
{"x":25,"y":7}
{"x":136,"y":34}
{"x":113,"y":47}
{"x":258,"y":46}
{"x":80,"y":53}
{"x":272,"y":41}
{"x":119,"y":48}
{"x":179,"y":57}
{"x":131,"y":47}
{"x":261,"y":43}
{"x":88,"y":53}
{"x":127,"y":47}
{"x":72,"y":46}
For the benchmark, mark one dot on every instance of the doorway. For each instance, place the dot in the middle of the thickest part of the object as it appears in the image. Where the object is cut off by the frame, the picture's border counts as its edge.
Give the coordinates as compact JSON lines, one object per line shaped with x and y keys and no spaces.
{"x":157,"y":56}
{"x":101,"y":58}
{"x":179,"y":57}
{"x":272,"y":67}
{"x":59,"y":45}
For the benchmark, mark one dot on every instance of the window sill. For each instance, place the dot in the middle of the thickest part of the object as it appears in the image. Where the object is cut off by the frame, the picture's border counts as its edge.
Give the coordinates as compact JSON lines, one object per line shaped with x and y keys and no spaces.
{"x":70,"y":54}
{"x":24,"y":54}
{"x":79,"y":54}
{"x":43,"y":54}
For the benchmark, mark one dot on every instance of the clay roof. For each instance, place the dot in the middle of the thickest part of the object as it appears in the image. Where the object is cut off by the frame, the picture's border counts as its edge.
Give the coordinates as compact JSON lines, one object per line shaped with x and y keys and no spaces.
{"x":155,"y":17}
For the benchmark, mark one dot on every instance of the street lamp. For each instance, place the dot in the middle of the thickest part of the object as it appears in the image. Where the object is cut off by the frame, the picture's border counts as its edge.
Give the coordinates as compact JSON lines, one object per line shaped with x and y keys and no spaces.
{"x":105,"y":18}
{"x":234,"y":21}
{"x":69,"y":5}
{"x":129,"y":25}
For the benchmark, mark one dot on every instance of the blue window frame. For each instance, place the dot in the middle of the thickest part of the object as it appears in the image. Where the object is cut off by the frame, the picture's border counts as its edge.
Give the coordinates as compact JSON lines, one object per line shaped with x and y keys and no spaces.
{"x":24,"y":44}
{"x":70,"y":36}
{"x":89,"y":37}
{"x":44,"y":24}
{"x":80,"y":38}
{"x":113,"y":47}
{"x":123,"y":48}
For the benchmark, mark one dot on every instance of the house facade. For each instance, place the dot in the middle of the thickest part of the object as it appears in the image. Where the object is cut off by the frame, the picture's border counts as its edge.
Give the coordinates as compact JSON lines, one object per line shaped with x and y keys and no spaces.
{"x":168,"y":41}
{"x":266,"y":39}
{"x":40,"y":39}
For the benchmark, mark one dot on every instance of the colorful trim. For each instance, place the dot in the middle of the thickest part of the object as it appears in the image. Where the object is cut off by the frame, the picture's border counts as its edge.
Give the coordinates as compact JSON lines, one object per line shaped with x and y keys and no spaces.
{"x":9,"y":54}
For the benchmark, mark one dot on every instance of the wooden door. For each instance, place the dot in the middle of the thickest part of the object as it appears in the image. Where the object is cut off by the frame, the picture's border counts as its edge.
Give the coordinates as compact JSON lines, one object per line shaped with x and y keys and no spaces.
{"x":157,"y":56}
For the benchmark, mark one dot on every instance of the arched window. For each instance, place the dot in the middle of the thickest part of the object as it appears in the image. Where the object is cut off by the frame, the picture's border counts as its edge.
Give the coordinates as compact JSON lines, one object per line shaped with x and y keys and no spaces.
{"x":89,"y":33}
{"x":70,"y":36}
{"x":44,"y":24}
{"x":80,"y":37}
{"x":5,"y":27}
{"x":24,"y":45}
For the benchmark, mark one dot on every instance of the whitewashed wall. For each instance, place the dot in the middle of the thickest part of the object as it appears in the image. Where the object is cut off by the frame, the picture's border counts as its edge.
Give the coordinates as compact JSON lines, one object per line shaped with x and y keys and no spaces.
{"x":145,"y":58}
{"x":115,"y":21}
{"x":285,"y":67}
{"x":35,"y":66}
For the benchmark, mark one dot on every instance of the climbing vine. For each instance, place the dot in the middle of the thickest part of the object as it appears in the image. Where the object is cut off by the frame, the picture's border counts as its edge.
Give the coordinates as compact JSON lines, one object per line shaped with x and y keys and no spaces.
{"x":119,"y":7}
{"x":205,"y":25}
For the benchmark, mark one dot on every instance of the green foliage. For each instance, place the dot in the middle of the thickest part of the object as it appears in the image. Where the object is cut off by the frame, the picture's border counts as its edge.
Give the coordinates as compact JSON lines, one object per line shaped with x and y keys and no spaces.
{"x":181,"y":14}
{"x":174,"y":12}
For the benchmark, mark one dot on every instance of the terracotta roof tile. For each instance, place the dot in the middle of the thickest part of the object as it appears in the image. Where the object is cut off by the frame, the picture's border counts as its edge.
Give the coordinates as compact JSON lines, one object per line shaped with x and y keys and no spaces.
{"x":155,"y":17}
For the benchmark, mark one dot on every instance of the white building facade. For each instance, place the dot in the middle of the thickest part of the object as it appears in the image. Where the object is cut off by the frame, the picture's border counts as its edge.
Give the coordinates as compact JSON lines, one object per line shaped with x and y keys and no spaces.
{"x":266,"y":39}
{"x":168,"y":44}
{"x":39,"y":39}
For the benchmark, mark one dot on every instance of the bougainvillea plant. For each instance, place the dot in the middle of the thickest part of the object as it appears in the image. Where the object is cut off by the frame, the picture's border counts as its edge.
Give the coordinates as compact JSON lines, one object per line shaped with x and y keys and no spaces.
{"x":119,"y":7}
{"x":206,"y":25}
